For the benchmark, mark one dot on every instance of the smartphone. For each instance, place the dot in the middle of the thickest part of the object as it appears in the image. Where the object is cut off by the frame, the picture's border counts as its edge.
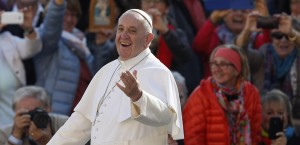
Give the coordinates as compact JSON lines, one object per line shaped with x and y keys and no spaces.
{"x":267,"y":22}
{"x":12,"y":18}
{"x":228,"y":4}
{"x":275,"y":126}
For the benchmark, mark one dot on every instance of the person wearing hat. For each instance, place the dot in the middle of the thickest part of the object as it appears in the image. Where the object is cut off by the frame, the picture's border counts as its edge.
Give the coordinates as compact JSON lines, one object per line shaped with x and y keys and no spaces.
{"x":225,"y":108}
{"x":132,"y":100}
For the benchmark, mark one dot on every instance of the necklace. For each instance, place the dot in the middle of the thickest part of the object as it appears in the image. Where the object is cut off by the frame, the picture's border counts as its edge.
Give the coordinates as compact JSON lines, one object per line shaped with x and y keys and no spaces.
{"x":103,"y":98}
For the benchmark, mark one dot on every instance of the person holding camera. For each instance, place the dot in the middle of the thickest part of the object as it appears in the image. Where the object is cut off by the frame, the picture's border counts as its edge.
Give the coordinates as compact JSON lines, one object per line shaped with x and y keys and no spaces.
{"x":276,"y":64}
{"x":33,"y":124}
{"x":277,"y":125}
{"x":223,"y":27}
{"x":12,"y":51}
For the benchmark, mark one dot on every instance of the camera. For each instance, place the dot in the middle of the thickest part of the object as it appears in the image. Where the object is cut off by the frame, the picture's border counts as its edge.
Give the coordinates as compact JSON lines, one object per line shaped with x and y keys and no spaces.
{"x":12,"y":18}
{"x":39,"y":117}
{"x":275,"y":125}
{"x":267,"y":22}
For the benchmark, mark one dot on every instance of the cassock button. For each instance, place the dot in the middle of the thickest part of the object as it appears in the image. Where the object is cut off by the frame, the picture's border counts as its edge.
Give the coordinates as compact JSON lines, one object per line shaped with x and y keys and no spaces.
{"x":98,"y":121}
{"x":94,"y":137}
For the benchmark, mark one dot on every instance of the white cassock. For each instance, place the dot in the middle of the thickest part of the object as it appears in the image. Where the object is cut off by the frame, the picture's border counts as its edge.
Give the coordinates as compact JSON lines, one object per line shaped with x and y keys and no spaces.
{"x":118,"y":120}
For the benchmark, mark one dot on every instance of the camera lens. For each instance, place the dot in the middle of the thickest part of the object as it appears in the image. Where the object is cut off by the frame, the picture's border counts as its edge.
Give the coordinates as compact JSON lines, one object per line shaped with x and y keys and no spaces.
{"x":41,"y":120}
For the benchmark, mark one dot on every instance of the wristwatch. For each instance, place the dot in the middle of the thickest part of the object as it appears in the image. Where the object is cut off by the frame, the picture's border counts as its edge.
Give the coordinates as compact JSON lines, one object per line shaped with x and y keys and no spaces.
{"x":28,"y":31}
{"x":13,"y":140}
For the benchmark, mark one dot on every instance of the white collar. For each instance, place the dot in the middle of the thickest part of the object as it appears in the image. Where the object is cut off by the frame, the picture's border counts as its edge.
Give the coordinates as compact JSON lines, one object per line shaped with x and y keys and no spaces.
{"x":128,"y":64}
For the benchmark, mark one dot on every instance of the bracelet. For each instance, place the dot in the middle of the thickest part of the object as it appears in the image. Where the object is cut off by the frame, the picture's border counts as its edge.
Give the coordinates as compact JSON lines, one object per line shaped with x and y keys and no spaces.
{"x":28,"y":32}
{"x":14,"y":140}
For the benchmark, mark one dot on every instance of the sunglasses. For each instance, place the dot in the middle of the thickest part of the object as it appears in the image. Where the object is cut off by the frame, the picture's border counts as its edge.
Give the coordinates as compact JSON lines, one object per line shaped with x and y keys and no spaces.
{"x":279,"y":35}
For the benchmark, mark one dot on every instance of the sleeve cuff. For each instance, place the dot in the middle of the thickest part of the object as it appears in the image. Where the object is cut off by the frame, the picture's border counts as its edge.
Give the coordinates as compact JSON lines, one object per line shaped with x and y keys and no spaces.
{"x":136,"y":107}
{"x":14,"y":140}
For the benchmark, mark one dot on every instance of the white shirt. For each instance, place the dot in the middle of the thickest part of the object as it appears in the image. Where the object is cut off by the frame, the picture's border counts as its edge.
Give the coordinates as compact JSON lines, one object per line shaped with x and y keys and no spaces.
{"x":8,"y":85}
{"x":120,"y":121}
{"x":12,"y":73}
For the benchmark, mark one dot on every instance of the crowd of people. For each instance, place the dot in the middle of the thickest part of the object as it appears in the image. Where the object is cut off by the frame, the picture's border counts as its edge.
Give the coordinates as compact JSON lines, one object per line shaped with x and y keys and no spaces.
{"x":166,"y":72}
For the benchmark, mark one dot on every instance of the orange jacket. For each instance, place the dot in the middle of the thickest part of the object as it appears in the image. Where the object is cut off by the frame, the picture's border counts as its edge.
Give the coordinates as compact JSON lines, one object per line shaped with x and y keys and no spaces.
{"x":205,"y":122}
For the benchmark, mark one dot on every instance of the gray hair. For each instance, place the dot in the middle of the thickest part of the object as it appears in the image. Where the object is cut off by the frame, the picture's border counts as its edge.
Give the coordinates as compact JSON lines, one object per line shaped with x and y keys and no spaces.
{"x":36,"y":92}
{"x":144,"y":17}
{"x":276,"y":95}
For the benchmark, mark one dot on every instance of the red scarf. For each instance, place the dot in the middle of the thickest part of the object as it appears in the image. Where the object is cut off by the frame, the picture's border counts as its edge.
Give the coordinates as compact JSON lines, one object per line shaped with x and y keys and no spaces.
{"x":164,"y":54}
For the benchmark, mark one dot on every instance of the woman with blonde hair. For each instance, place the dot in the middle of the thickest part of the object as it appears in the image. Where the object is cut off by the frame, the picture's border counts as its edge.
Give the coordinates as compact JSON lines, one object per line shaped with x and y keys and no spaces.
{"x":225,"y":108}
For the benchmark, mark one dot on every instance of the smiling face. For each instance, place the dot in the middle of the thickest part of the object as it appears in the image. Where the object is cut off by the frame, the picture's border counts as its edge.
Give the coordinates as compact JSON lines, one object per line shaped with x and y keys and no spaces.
{"x":282,"y":46}
{"x":235,"y":20}
{"x":132,"y":35}
{"x":70,"y":20}
{"x":223,"y":72}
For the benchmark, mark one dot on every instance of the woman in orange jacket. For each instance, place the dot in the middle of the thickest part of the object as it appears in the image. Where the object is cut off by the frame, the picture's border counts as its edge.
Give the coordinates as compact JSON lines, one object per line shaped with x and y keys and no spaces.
{"x":225,"y":109}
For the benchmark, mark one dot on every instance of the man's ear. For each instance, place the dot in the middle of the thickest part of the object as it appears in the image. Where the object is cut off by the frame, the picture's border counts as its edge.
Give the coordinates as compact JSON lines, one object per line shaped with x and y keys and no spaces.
{"x":149,"y":38}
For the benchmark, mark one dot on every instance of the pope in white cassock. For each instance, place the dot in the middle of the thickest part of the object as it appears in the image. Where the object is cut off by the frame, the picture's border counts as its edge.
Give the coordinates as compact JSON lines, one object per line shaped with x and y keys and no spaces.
{"x":132,"y":100}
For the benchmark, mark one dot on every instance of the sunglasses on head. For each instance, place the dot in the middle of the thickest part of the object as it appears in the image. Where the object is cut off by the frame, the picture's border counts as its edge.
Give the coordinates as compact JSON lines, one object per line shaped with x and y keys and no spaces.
{"x":279,"y":35}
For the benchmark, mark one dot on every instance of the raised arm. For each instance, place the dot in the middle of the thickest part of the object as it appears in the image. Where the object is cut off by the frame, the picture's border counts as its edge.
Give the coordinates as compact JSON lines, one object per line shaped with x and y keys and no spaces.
{"x":207,"y":39}
{"x":52,"y":26}
{"x":31,"y":44}
{"x":150,"y":105}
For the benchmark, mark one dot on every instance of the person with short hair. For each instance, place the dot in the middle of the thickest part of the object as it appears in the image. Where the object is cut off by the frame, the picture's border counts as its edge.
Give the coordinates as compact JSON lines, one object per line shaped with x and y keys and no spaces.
{"x":132,"y":100}
{"x":276,"y":103}
{"x":31,"y":101}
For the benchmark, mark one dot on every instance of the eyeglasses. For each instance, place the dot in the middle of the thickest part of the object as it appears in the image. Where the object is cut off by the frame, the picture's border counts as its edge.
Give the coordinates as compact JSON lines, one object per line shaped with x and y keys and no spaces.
{"x":214,"y":65}
{"x":279,"y":35}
